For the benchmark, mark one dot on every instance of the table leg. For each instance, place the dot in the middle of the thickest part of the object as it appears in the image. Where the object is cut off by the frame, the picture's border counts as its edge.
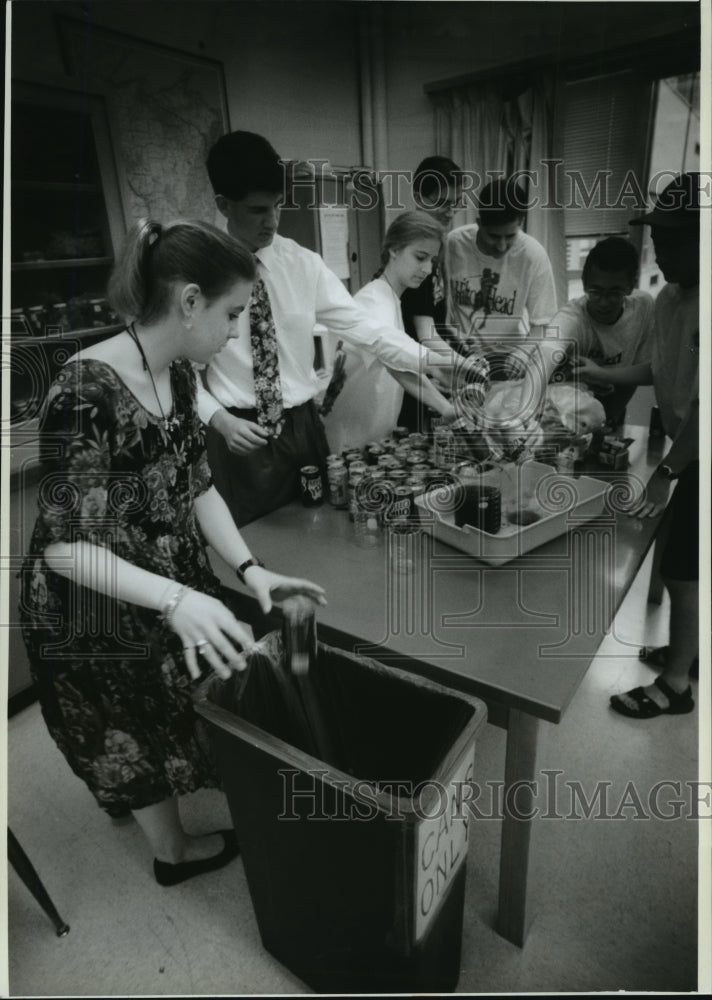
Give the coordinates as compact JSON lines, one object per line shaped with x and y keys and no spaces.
{"x":25,"y":869}
{"x":512,"y":919}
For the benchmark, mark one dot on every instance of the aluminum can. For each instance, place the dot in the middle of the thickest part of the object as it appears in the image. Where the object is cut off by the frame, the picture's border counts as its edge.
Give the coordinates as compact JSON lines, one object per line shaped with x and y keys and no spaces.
{"x":354,"y":480}
{"x":338,"y":484}
{"x":444,"y":448}
{"x":481,"y":508}
{"x":357,"y":468}
{"x":373,"y":494}
{"x":389,"y":462}
{"x":312,"y":486}
{"x":421,"y":469}
{"x":418,"y":484}
{"x":402,"y":506}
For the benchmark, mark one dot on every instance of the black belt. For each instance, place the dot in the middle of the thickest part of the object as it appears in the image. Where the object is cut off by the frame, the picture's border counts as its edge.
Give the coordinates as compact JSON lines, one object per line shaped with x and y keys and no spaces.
{"x":250,"y":413}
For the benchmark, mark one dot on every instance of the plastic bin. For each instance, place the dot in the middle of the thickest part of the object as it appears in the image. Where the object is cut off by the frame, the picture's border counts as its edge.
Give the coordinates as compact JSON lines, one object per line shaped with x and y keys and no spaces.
{"x":355,"y":856}
{"x":560,"y":501}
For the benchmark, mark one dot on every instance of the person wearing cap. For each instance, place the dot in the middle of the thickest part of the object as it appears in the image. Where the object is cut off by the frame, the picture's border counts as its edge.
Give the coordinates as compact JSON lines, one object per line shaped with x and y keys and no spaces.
{"x":674,"y":372}
{"x":258,"y":392}
{"x":500,"y":285}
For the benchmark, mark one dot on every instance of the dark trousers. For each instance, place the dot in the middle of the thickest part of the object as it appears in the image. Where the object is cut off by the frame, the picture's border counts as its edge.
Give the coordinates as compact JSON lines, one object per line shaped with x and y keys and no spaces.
{"x":267,"y":478}
{"x":681,"y":555}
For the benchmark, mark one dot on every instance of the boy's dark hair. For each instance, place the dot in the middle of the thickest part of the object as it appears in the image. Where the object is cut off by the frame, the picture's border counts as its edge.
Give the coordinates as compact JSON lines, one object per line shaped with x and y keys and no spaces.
{"x":501,"y":201}
{"x":432,"y":175}
{"x":613,"y":254}
{"x":242,"y":162}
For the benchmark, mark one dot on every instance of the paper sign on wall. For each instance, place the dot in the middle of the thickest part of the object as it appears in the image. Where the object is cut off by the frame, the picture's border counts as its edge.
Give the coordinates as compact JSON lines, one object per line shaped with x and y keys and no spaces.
{"x":334,"y":229}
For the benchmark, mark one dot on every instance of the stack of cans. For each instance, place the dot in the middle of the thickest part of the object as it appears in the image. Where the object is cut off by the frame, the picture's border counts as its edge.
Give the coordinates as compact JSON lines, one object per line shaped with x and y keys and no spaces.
{"x":383,"y":479}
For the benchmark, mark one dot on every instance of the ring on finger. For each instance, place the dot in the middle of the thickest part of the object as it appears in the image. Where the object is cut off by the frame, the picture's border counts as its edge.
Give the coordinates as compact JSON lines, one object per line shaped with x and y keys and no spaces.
{"x":185,"y":648}
{"x":202,"y":645}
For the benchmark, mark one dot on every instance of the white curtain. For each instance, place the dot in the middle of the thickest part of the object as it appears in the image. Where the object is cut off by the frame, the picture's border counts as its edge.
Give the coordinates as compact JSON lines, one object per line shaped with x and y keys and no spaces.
{"x":485,"y":130}
{"x":472,"y":128}
{"x":545,"y":220}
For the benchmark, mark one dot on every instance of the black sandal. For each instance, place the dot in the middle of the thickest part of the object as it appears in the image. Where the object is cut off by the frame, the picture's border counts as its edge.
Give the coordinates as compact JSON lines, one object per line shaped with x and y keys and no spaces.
{"x":679,"y":702}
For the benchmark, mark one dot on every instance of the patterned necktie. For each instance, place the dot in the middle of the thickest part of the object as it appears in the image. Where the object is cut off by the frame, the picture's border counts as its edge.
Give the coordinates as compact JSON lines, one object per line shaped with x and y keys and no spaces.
{"x":265,"y":363}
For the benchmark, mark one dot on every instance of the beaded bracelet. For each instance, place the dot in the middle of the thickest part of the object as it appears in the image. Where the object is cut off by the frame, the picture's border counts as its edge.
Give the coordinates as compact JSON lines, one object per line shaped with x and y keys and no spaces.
{"x":169,"y":608}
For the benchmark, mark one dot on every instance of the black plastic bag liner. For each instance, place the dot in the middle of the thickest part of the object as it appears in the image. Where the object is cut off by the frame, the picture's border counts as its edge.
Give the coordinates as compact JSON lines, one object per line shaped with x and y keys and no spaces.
{"x":353,"y":713}
{"x":343,"y":787}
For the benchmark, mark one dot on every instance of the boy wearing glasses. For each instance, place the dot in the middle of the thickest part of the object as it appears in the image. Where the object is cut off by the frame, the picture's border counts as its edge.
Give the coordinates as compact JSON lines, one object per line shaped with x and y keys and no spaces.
{"x":611,"y":324}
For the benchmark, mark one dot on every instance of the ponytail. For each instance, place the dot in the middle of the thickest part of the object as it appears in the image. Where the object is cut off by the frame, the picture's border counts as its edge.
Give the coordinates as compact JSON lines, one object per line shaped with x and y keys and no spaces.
{"x":153,"y":257}
{"x":129,"y":283}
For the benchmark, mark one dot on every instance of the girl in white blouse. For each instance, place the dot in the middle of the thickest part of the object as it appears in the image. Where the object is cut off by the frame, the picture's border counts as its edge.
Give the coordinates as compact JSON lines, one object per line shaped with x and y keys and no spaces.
{"x":367,"y":405}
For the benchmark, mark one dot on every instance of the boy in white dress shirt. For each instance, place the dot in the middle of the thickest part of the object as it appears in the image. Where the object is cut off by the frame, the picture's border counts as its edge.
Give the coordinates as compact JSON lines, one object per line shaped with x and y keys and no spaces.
{"x":256,"y":447}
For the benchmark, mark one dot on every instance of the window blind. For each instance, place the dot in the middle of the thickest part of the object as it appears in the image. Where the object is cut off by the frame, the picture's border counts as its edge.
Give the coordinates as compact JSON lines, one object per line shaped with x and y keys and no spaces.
{"x":607,"y":122}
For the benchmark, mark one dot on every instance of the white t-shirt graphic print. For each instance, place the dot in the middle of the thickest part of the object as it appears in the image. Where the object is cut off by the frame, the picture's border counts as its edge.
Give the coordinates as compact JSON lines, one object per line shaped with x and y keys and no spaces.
{"x":493,"y":300}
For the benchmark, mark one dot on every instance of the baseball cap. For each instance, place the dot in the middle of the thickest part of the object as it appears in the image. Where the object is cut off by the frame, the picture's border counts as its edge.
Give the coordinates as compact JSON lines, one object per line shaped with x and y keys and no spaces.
{"x":677,"y":206}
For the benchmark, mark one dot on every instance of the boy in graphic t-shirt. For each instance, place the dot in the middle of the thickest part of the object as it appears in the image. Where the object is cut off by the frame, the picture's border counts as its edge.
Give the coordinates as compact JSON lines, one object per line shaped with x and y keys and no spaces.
{"x":611,"y":324}
{"x":500,"y":282}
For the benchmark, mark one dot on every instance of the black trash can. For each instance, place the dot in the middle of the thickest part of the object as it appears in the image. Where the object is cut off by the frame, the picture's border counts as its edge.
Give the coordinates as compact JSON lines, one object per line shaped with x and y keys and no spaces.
{"x":348,"y":791}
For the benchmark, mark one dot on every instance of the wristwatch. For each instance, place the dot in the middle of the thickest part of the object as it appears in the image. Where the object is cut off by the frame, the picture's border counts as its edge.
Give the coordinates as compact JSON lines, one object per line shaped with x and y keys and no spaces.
{"x":240,"y":571}
{"x":667,"y":473}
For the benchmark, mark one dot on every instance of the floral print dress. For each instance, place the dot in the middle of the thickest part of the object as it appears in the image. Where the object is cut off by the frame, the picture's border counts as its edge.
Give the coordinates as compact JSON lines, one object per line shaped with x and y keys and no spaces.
{"x":113,"y":686}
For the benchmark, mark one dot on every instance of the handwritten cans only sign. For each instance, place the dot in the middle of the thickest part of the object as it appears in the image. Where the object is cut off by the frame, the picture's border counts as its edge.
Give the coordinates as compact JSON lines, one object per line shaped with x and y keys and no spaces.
{"x":441,"y":844}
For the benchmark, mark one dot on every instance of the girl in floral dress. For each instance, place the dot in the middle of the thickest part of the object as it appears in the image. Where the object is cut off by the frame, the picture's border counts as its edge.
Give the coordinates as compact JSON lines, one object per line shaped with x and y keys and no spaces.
{"x":120,"y":608}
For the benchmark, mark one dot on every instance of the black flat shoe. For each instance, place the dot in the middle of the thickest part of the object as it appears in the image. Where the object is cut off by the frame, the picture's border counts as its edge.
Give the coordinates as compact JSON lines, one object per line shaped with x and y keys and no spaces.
{"x":168,"y":874}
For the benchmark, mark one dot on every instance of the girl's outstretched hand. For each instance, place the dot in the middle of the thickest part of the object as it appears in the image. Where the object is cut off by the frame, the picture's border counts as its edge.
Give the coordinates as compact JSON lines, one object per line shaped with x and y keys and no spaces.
{"x":271,"y":588}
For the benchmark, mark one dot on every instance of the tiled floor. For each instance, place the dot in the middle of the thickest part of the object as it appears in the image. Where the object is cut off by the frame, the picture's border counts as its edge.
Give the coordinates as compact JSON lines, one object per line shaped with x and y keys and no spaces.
{"x":615,"y":899}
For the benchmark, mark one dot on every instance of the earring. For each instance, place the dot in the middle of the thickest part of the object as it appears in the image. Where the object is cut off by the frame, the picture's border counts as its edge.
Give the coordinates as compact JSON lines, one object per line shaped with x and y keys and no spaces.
{"x":188,"y":326}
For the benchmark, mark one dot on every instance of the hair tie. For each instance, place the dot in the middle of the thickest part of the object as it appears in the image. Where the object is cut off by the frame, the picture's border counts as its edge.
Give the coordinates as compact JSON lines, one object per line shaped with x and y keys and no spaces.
{"x":156,"y":234}
{"x":150,"y":231}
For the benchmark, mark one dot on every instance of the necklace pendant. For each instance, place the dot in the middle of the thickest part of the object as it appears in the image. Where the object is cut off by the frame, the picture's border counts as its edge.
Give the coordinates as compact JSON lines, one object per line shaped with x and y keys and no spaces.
{"x":171,"y":424}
